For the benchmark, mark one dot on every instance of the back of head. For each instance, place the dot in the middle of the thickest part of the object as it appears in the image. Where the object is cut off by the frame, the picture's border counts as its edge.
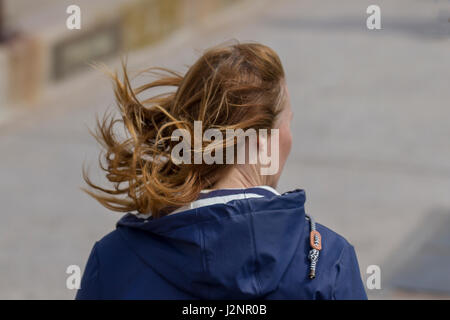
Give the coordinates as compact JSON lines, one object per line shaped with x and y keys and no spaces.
{"x":237,"y":86}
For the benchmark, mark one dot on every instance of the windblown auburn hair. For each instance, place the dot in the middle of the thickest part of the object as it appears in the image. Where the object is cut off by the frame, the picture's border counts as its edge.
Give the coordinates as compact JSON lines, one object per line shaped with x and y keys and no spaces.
{"x":237,"y":86}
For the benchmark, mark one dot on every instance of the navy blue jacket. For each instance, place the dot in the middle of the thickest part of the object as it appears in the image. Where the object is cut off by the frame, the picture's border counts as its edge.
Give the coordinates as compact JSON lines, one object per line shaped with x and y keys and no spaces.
{"x":229,"y":244}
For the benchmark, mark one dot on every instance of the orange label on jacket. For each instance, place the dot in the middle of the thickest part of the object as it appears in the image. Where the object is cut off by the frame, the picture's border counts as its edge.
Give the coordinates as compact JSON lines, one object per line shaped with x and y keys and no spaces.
{"x":315,"y":240}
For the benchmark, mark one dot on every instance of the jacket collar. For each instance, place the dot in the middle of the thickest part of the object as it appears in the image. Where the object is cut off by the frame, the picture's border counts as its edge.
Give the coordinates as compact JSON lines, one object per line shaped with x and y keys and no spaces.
{"x":211,"y":197}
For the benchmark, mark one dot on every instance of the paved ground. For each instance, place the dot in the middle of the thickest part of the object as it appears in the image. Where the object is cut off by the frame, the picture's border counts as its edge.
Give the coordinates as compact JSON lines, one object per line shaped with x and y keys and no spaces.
{"x":371,"y":136}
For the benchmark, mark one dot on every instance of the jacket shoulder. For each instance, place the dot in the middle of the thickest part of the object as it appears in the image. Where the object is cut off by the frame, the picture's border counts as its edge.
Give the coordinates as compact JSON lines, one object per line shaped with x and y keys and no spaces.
{"x":331,"y":238}
{"x":339,"y":257}
{"x":107,"y":260}
{"x":110,"y":242}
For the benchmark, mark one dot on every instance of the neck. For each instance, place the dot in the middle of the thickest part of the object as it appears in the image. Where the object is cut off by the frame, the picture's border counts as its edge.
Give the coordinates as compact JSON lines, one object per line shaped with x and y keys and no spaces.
{"x":242,"y":177}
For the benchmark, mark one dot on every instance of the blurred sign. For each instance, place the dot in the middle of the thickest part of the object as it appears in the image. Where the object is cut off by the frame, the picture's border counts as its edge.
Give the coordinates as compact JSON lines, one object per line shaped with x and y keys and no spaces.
{"x":146,"y":21}
{"x":74,"y":53}
{"x":3,"y":77}
{"x":24,"y":58}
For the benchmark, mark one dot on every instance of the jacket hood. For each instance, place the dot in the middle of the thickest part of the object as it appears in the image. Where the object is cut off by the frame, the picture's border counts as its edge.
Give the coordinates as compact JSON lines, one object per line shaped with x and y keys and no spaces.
{"x":230,"y":243}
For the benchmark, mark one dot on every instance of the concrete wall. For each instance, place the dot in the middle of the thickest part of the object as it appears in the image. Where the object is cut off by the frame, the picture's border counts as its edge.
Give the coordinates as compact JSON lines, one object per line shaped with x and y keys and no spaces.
{"x":47,"y":52}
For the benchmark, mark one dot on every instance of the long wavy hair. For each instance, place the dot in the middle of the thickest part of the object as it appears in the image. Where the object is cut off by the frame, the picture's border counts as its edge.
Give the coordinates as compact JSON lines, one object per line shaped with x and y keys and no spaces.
{"x":234,"y":86}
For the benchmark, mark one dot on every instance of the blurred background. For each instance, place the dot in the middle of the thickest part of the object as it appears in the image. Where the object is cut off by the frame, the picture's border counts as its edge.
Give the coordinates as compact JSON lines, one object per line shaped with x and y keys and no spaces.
{"x":371,"y":126}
